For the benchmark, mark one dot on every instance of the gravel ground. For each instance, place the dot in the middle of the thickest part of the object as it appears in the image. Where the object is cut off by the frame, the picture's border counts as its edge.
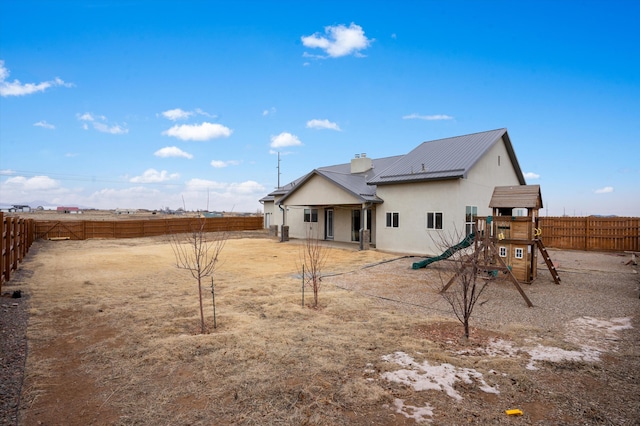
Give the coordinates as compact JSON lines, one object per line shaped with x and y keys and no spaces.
{"x":592,"y":284}
{"x":13,"y":352}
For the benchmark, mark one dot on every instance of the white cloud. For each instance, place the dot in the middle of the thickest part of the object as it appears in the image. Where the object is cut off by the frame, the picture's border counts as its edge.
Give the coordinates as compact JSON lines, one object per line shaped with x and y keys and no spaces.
{"x":531,"y":175}
{"x":35,"y":183}
{"x":20,"y":189}
{"x":177,"y":114}
{"x":241,"y":188}
{"x":284,"y":139}
{"x":44,"y":125}
{"x":198,"y":132}
{"x":322,"y":124}
{"x":134,"y":197}
{"x":206,"y":114}
{"x":180,"y":114}
{"x":219,"y":164}
{"x":605,"y":190}
{"x":7,"y":172}
{"x":154,"y":176}
{"x":223,"y":196}
{"x":114,"y":130}
{"x":269,"y":111}
{"x":435,"y":117}
{"x":99,"y":123}
{"x":87,"y":116}
{"x":172,"y":151}
{"x":204,"y":184}
{"x":339,"y":41}
{"x":15,"y":88}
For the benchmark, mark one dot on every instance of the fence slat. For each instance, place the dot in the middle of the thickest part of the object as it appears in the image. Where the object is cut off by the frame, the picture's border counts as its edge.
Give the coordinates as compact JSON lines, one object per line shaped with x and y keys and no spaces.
{"x":16,"y":235}
{"x":108,"y":229}
{"x":592,"y":233}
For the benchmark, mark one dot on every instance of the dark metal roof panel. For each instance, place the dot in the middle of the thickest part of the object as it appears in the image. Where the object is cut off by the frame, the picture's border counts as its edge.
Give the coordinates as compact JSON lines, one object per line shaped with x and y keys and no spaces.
{"x":340,"y":174}
{"x":440,"y":159}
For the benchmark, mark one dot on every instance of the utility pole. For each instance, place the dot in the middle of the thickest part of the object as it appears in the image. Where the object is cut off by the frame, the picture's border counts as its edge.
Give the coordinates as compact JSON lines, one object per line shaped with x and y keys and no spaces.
{"x":278,"y":169}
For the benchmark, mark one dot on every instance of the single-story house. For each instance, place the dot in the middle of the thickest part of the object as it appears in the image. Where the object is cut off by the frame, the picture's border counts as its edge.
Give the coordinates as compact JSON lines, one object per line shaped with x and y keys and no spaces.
{"x":72,"y":210}
{"x":406,"y":203}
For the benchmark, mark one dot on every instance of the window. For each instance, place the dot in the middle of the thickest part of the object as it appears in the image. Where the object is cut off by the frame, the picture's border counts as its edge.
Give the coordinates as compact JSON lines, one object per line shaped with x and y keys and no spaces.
{"x":503,"y":252}
{"x":393,"y":219}
{"x":471,"y":213}
{"x":434,"y":220}
{"x":310,"y":215}
{"x":519,"y":253}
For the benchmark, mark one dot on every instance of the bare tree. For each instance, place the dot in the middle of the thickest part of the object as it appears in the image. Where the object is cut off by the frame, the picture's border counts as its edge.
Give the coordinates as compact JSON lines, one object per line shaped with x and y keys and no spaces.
{"x":199,"y":253}
{"x":313,"y":257}
{"x":463,"y":288}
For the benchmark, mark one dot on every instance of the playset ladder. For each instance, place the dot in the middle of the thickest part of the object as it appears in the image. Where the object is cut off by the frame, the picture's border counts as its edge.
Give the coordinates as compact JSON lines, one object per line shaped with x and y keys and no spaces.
{"x":548,"y":261}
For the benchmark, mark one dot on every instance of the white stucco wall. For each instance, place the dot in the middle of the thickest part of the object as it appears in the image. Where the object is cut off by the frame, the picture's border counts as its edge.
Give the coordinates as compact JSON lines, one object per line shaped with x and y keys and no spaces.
{"x":319,"y":193}
{"x":413,"y":200}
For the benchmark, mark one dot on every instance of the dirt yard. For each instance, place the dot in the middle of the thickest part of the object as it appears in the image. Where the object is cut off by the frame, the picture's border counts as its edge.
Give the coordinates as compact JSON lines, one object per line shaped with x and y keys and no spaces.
{"x":112,"y":340}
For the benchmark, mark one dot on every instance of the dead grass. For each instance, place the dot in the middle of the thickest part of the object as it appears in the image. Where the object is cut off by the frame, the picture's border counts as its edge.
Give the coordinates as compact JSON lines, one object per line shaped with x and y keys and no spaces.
{"x":113,"y":340}
{"x":131,"y":316}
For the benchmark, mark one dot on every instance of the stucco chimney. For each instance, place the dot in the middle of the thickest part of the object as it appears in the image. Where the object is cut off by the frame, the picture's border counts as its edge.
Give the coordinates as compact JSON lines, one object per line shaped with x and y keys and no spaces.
{"x":361,"y":163}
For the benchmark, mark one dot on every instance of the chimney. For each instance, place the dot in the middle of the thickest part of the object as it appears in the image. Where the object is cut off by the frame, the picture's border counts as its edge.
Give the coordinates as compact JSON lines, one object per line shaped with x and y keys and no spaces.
{"x":361,"y":163}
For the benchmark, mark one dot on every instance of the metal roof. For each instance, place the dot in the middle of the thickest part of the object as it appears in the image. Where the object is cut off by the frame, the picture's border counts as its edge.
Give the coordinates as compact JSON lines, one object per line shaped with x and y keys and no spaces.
{"x":340,"y":174}
{"x":449,"y":158}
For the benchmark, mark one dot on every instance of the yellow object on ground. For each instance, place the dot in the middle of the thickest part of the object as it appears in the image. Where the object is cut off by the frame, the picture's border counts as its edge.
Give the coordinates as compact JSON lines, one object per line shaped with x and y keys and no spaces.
{"x":515,"y":412}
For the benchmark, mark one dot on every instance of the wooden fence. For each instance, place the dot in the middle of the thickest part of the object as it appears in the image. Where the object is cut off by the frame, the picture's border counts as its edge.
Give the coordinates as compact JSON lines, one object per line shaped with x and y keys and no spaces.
{"x":17,"y":237}
{"x":109,"y":229}
{"x":591,"y":233}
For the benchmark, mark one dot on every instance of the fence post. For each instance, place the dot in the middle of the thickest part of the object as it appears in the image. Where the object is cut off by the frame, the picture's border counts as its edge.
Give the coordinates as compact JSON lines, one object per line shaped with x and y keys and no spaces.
{"x":7,"y":223}
{"x":3,"y":231}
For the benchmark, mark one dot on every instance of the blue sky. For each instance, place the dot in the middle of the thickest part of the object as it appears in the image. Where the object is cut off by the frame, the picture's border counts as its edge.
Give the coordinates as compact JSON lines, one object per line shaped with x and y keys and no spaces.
{"x":144,"y":104}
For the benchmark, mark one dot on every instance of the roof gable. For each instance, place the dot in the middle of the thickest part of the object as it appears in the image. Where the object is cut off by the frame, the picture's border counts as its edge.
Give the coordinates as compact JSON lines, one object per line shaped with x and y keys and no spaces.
{"x":525,"y":196}
{"x":340,"y":175}
{"x":449,"y":158}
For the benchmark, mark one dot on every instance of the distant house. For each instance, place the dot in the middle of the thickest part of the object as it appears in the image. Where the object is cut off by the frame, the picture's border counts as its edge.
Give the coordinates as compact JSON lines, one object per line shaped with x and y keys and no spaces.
{"x":72,"y":210}
{"x":405,"y":203}
{"x":126,"y":211}
{"x":212,"y":214}
{"x":19,"y":208}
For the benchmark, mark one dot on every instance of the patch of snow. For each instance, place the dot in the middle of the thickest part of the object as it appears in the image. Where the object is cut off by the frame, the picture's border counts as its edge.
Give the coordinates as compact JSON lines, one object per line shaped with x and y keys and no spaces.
{"x":592,"y":335}
{"x":423,"y":376}
{"x":418,"y":414}
{"x":552,"y":354}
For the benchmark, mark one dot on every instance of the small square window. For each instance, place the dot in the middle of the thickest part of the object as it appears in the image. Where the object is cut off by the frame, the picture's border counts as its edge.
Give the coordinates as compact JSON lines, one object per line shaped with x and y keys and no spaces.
{"x":434,"y":220}
{"x":393,"y":219}
{"x":503,"y":252}
{"x":519,"y":253}
{"x":310,"y":215}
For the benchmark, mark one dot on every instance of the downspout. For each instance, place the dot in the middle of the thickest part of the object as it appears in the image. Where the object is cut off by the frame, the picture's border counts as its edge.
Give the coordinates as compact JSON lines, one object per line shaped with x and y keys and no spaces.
{"x":363,"y":214}
{"x":282,"y":226}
